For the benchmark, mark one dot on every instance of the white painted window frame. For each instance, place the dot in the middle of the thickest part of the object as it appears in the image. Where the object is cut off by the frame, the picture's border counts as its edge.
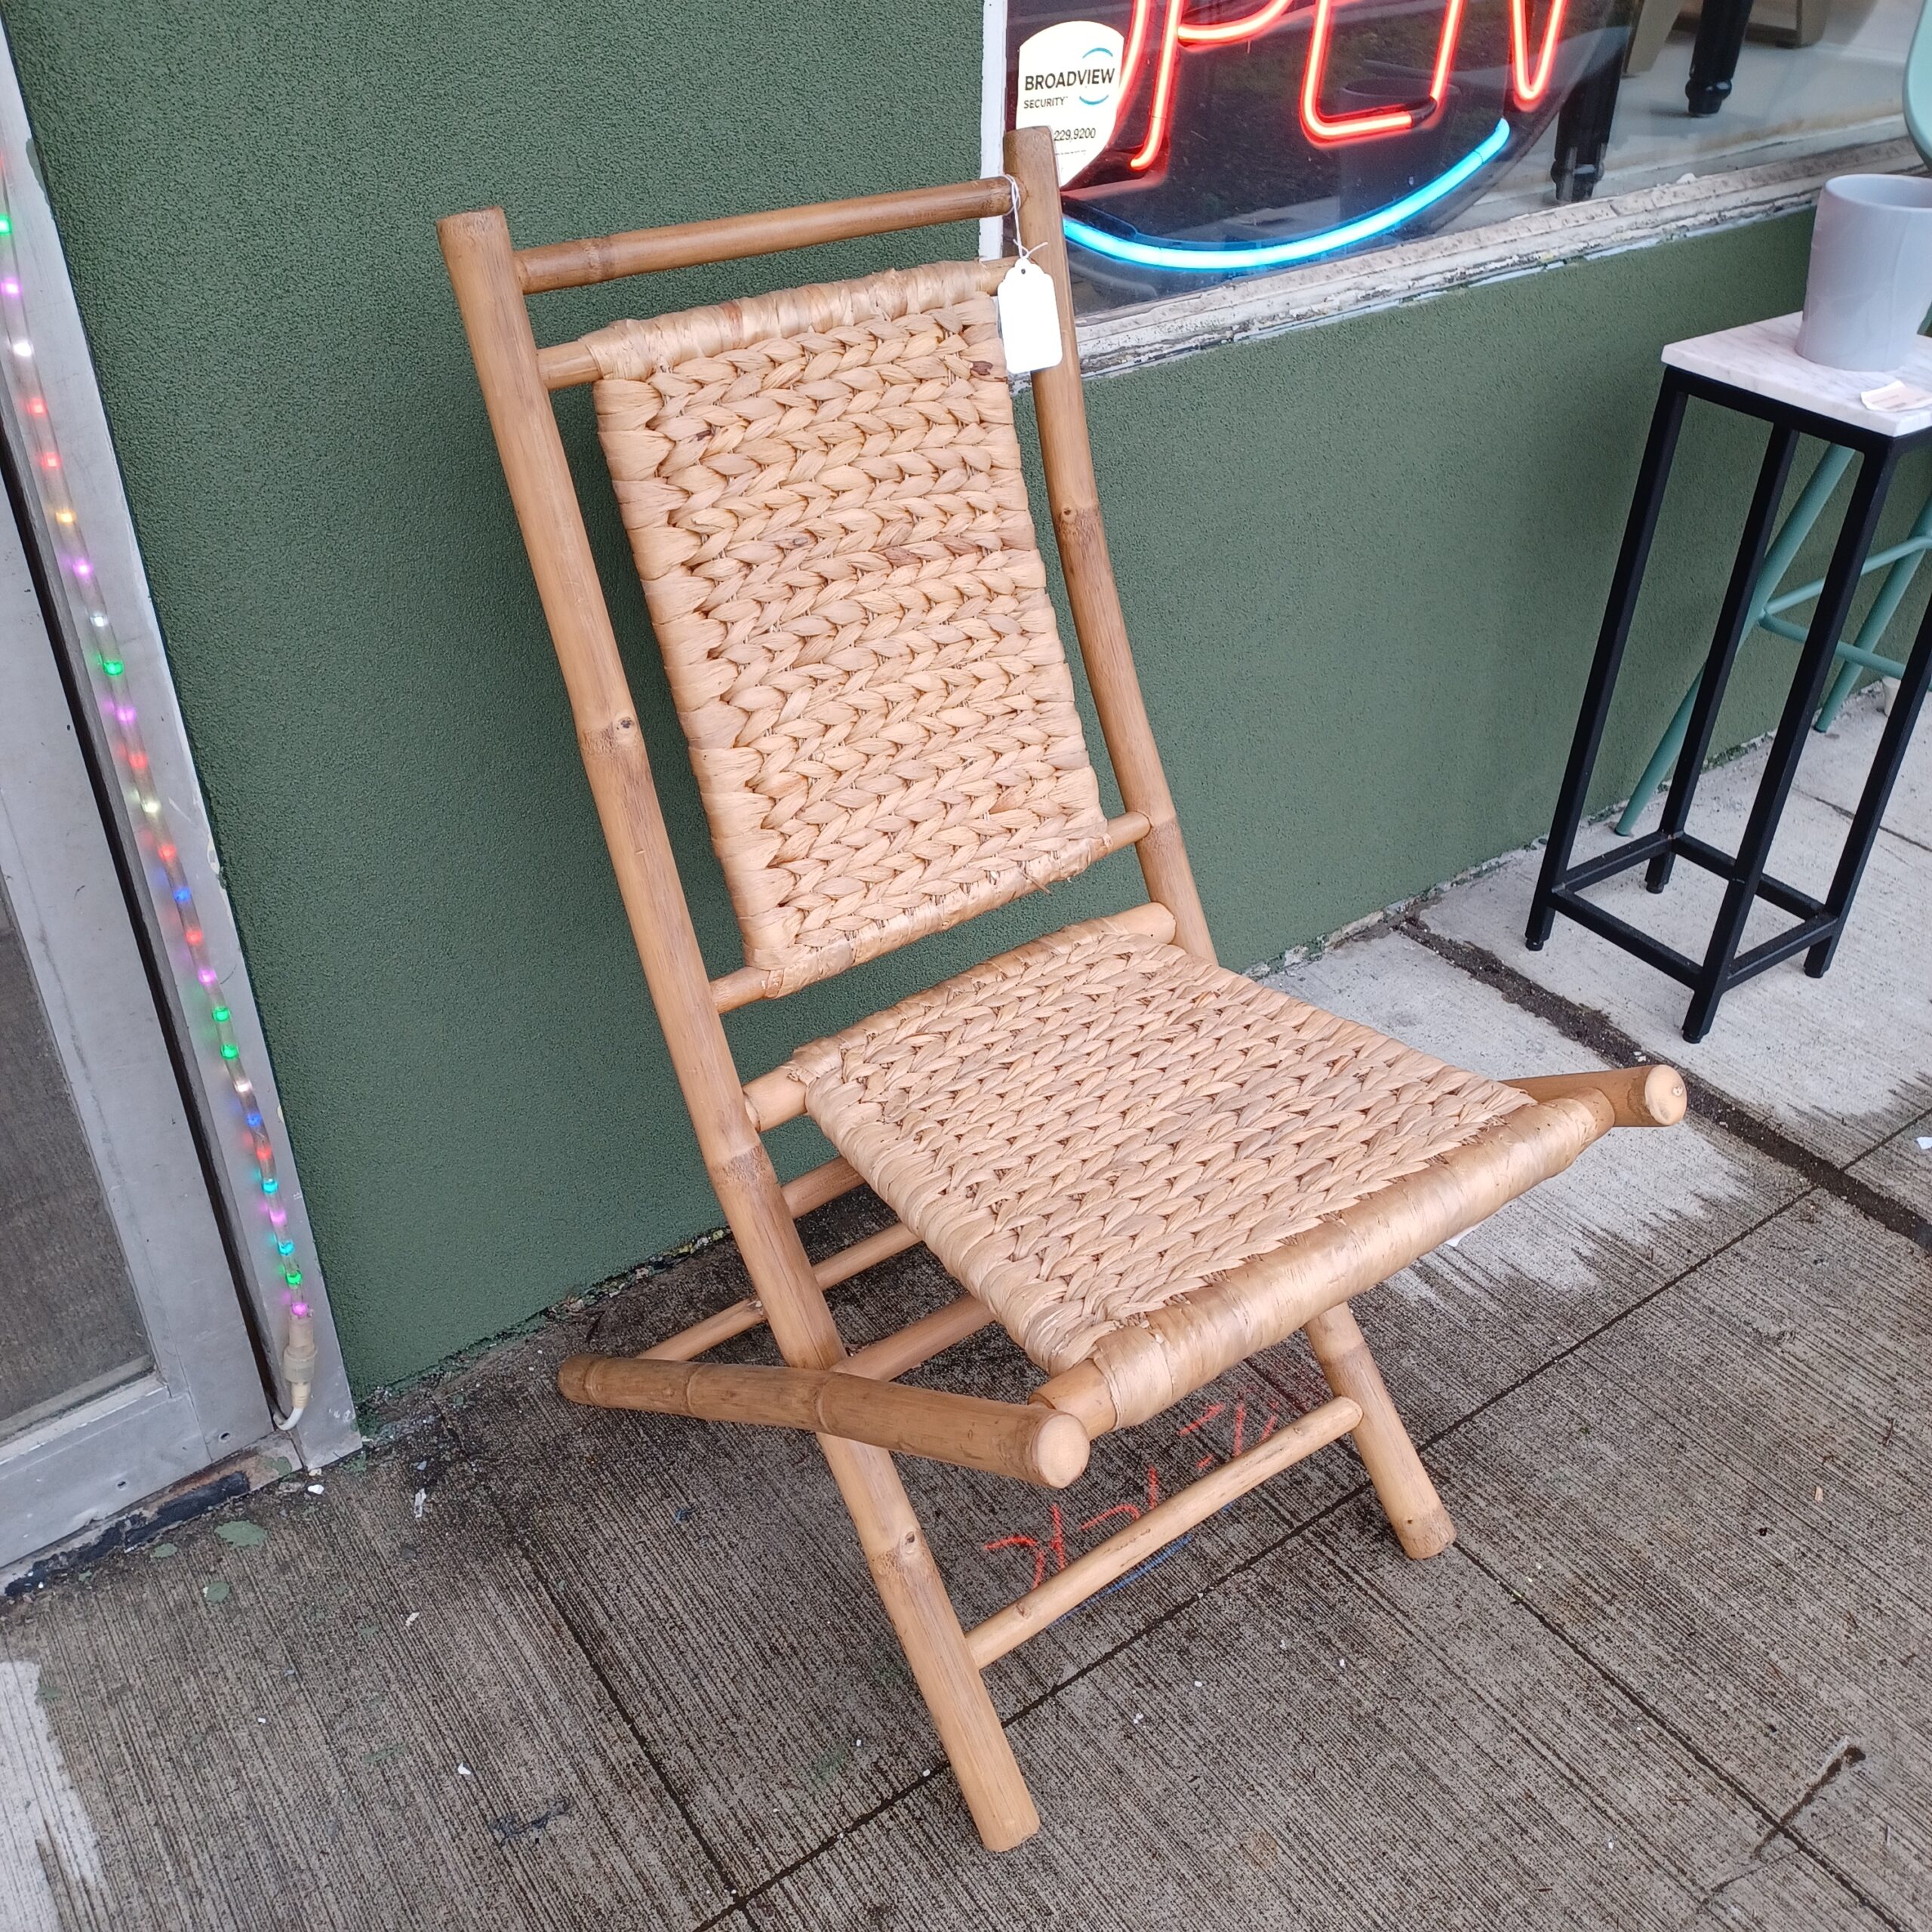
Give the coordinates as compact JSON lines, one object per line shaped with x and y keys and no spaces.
{"x":1251,"y":308}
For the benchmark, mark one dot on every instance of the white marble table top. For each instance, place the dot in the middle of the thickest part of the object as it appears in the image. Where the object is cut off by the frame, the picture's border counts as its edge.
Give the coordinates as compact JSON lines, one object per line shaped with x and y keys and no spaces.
{"x":1763,"y":358}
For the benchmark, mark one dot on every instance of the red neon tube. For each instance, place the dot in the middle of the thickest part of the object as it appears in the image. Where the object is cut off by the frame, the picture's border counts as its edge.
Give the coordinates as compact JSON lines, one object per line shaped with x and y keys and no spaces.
{"x":1530,"y":83}
{"x":1244,"y":29}
{"x":1176,"y":33}
{"x":1331,"y":130}
{"x":1163,"y":86}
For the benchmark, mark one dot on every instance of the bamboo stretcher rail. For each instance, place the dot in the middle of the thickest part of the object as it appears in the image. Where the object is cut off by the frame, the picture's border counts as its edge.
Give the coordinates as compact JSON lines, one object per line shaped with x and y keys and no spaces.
{"x":743,"y":1316}
{"x":885,"y":1360}
{"x":701,"y":1337}
{"x":811,"y":1190}
{"x":817,"y":1185}
{"x":640,"y":250}
{"x":863,"y":1254}
{"x":730,"y":991}
{"x":1025,"y":1616}
{"x":899,"y":1353}
{"x":1019,"y":1439}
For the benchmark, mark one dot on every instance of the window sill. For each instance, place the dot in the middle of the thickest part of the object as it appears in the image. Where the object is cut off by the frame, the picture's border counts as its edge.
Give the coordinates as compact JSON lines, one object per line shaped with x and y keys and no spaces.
{"x":1262,"y":305}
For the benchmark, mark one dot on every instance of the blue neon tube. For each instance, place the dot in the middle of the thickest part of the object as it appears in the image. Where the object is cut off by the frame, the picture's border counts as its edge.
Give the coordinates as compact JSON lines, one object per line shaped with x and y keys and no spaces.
{"x":1219,"y":257}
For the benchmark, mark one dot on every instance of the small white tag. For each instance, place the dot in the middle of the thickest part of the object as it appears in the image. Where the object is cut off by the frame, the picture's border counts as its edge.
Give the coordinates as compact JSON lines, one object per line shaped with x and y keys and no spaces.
{"x":1895,"y":396}
{"x":1028,"y":319}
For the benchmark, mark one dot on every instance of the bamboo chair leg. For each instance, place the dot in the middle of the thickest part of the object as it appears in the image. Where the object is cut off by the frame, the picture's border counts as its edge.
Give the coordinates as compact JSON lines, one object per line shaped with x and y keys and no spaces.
{"x":910,"y":1587}
{"x":1407,"y":1497}
{"x":485,"y":273}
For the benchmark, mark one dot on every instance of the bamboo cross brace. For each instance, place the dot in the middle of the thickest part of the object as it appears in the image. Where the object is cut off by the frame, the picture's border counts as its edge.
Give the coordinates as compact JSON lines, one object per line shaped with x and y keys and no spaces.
{"x":1025,"y":1616}
{"x":813,"y":1189}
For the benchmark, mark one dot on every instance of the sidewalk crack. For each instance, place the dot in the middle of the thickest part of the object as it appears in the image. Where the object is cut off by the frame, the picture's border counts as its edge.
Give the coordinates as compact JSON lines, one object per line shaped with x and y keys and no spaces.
{"x":1847,"y":1754}
{"x":1891,"y":831}
{"x":1779,"y":1826}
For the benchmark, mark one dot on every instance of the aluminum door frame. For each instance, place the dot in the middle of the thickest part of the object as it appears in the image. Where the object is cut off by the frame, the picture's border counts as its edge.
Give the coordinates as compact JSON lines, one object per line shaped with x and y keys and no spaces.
{"x":203,"y":1399}
{"x":328,"y":1428}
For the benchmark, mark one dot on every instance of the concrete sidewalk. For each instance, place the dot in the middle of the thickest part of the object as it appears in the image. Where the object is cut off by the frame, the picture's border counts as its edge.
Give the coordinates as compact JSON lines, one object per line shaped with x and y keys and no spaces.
{"x":526,"y":1664}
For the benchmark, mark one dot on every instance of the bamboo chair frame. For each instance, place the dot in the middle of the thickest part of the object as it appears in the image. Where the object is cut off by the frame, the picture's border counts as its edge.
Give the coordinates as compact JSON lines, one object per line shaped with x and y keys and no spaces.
{"x":852,"y":1401}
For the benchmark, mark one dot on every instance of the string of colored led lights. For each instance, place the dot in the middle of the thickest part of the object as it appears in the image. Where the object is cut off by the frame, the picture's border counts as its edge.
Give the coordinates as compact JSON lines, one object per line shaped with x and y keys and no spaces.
{"x":107,"y":674}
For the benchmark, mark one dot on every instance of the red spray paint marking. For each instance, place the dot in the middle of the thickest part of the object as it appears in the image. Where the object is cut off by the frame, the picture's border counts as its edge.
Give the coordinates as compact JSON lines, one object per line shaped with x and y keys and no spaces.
{"x":1048,"y":1551}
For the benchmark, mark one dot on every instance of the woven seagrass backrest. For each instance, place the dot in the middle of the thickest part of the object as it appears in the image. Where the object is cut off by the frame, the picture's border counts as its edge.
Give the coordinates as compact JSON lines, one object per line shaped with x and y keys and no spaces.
{"x":823,"y":493}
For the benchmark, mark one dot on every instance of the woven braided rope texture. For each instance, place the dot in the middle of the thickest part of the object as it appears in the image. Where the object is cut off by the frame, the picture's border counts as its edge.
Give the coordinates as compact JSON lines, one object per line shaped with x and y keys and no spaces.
{"x":1090,"y":1127}
{"x":823,"y":493}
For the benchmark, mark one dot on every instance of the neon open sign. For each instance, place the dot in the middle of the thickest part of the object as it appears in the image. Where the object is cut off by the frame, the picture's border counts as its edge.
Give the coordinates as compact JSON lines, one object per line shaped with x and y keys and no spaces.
{"x":1217,"y":136}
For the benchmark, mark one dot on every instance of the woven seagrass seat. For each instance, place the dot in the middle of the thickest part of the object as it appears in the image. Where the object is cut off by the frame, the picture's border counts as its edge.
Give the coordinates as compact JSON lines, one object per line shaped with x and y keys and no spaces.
{"x":1097,"y":1124}
{"x":1146,"y":1167}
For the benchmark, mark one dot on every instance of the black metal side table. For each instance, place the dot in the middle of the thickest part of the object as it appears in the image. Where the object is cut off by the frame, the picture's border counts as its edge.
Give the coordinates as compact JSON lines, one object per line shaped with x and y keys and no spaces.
{"x":1756,"y":371}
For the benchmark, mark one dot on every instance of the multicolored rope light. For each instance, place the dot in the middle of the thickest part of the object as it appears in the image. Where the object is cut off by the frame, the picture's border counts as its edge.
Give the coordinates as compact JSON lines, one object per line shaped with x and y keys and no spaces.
{"x":107,"y":674}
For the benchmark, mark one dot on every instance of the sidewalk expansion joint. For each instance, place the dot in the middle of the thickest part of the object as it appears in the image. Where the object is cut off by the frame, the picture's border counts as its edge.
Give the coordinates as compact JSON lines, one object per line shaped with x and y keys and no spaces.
{"x":1603,"y":1037}
{"x":581,"y":1642}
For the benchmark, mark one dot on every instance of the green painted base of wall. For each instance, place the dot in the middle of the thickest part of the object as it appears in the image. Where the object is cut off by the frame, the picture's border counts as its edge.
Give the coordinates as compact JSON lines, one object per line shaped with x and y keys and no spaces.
{"x":1364,"y":565}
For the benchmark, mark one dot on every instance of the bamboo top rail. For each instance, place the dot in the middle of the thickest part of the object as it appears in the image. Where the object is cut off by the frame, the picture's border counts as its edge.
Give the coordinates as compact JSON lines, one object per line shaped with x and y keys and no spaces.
{"x":642,"y":251}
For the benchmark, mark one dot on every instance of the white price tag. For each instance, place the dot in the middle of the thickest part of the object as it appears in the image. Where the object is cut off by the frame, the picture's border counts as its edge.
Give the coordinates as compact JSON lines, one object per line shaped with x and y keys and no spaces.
{"x":1028,"y":319}
{"x":1895,"y":396}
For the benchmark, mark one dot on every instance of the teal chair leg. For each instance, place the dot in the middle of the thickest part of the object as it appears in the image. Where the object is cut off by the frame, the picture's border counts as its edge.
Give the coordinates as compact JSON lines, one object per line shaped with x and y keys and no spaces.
{"x":1884,"y":608}
{"x":1804,"y":513}
{"x":1662,"y":759}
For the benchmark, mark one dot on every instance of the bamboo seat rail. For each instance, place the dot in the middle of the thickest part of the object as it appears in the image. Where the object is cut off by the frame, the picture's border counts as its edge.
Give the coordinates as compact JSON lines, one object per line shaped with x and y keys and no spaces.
{"x":1144,"y":1168}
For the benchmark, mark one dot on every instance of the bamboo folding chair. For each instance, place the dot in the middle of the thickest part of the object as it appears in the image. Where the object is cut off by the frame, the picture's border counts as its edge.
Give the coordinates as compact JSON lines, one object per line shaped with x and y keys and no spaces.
{"x":1146,"y":1168}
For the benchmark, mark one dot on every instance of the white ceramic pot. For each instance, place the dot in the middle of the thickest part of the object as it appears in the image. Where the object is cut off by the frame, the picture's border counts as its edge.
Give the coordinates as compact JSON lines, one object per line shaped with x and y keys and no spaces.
{"x":1870,"y":282}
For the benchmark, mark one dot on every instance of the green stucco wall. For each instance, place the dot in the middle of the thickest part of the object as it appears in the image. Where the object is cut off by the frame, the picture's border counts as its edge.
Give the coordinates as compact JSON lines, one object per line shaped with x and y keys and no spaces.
{"x":1363,"y":563}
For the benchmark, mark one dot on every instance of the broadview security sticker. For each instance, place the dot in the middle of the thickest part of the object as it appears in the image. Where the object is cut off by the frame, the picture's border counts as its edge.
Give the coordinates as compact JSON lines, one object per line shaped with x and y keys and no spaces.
{"x":1069,"y":81}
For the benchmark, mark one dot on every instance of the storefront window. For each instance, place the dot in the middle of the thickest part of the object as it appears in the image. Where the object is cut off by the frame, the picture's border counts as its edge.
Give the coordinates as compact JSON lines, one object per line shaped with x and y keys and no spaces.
{"x":1201,"y":140}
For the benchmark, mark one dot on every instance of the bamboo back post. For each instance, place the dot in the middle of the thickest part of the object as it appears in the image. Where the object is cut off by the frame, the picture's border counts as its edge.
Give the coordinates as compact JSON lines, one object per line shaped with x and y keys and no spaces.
{"x":1140,"y":1367}
{"x":1073,"y":492}
{"x":490,"y":291}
